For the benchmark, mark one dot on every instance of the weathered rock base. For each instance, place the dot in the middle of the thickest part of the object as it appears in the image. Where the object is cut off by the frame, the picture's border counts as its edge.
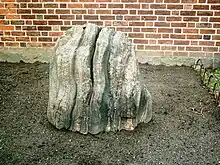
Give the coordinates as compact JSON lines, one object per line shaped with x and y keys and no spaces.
{"x":94,"y":82}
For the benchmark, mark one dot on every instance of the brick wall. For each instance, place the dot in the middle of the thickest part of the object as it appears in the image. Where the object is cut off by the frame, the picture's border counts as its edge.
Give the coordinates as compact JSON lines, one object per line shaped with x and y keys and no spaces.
{"x":162,"y":27}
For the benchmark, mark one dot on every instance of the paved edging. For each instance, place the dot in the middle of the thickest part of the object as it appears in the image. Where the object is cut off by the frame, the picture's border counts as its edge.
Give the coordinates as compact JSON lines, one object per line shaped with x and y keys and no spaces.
{"x":31,"y":55}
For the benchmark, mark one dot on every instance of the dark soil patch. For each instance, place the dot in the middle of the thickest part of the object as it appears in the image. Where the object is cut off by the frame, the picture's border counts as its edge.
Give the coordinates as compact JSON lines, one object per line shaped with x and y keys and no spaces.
{"x":177,"y":134}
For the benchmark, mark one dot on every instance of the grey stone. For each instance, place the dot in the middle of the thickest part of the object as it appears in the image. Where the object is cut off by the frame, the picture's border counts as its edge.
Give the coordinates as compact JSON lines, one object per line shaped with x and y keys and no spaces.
{"x":94,"y":82}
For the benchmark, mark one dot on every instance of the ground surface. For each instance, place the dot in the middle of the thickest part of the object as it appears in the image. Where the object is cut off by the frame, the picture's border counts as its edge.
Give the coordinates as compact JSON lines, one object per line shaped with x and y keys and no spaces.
{"x":177,"y":134}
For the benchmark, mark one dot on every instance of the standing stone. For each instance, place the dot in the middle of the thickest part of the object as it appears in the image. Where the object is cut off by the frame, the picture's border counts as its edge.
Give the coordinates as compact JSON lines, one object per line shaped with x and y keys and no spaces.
{"x":94,"y":83}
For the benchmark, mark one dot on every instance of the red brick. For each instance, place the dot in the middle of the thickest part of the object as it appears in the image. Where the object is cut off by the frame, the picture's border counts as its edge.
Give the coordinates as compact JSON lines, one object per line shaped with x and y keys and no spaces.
{"x":29,"y":28}
{"x":194,"y":36}
{"x":23,"y":11}
{"x":216,"y":26}
{"x":45,"y":39}
{"x":207,"y":31}
{"x":55,"y":33}
{"x":2,"y":44}
{"x":149,"y":18}
{"x":136,"y":23}
{"x":162,"y":24}
{"x":217,"y":13}
{"x":39,"y":11}
{"x":140,"y":41}
{"x":136,"y":35}
{"x":162,"y":12}
{"x":23,"y":39}
{"x":152,"y":35}
{"x":50,"y":5}
{"x":210,"y":49}
{"x":78,"y":11}
{"x":8,"y":1}
{"x":188,"y":1}
{"x":44,"y":28}
{"x":207,"y":43}
{"x":171,"y":1}
{"x":69,"y":17}
{"x":152,"y":47}
{"x":146,"y":1}
{"x":78,"y":22}
{"x":90,"y":17}
{"x":4,"y":22}
{"x":191,"y":19}
{"x":213,"y":1}
{"x":9,"y":5}
{"x":34,"y":5}
{"x":205,"y":13}
{"x":79,"y":17}
{"x":216,"y":37}
{"x":51,"y":17}
{"x":201,"y":7}
{"x":169,"y":6}
{"x":62,"y":0}
{"x":102,"y":12}
{"x":151,"y":30}
{"x":12,"y":17}
{"x":117,"y":5}
{"x":91,"y":6}
{"x":215,"y":7}
{"x":178,"y":30}
{"x":107,"y":17}
{"x":124,"y":29}
{"x":203,"y":25}
{"x":215,"y":19}
{"x":190,"y":30}
{"x":173,"y":18}
{"x":7,"y":38}
{"x":136,"y":29}
{"x":75,"y":5}
{"x":158,"y":6}
{"x":17,"y":33}
{"x":55,"y":22}
{"x":103,"y":5}
{"x":193,"y":48}
{"x":181,"y":42}
{"x":132,"y":18}
{"x":17,"y":22}
{"x":165,"y":30}
{"x":12,"y":44}
{"x":167,"y":42}
{"x":145,"y":12}
{"x":120,"y":11}
{"x":27,"y":16}
{"x":178,"y":24}
{"x":86,"y":0}
{"x":99,"y":23}
{"x":133,"y":6}
{"x":33,"y":33}
{"x":62,"y":11}
{"x":6,"y":27}
{"x":177,"y":36}
{"x":188,"y":13}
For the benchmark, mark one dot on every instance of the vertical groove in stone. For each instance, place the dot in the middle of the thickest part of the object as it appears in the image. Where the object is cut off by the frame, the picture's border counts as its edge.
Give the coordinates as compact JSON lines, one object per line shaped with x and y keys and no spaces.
{"x":98,"y":106}
{"x":84,"y":54}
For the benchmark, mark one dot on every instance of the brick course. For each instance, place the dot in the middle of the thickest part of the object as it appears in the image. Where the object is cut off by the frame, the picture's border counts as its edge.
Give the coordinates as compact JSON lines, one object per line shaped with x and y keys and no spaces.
{"x":168,"y":27}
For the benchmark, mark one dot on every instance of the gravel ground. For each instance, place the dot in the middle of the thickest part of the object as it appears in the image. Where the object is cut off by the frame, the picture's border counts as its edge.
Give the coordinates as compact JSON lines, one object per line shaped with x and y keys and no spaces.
{"x":185,"y":128}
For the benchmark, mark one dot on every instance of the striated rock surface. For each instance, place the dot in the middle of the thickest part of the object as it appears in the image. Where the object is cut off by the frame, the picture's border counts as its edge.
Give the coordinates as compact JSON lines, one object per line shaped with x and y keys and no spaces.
{"x":94,"y":83}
